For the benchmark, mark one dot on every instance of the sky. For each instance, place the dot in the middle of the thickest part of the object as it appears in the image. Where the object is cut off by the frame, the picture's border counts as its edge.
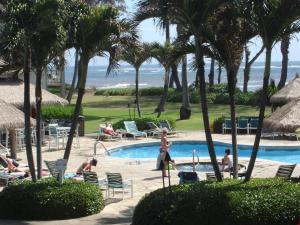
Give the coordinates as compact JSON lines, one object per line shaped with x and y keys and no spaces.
{"x":148,"y":32}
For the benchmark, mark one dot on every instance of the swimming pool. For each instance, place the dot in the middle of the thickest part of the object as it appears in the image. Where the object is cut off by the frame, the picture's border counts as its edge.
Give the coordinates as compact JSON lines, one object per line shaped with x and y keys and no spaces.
{"x":185,"y":149}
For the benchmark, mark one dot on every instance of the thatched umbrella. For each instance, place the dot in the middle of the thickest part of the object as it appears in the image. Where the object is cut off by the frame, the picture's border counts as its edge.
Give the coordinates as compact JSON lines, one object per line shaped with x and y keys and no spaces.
{"x":288,"y":93}
{"x":10,"y":119}
{"x":284,"y":119}
{"x":13,"y":93}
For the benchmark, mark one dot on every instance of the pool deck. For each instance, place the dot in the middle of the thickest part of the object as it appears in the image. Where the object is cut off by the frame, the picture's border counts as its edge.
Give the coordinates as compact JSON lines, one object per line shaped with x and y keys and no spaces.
{"x":145,"y":178}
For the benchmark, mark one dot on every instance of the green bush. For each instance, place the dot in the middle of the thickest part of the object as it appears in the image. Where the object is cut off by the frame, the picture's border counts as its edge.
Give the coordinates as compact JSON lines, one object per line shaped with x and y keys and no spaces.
{"x":232,"y":202}
{"x":141,"y":122}
{"x":47,"y":199}
{"x":58,"y":112}
{"x":217,"y":125}
{"x":152,"y":91}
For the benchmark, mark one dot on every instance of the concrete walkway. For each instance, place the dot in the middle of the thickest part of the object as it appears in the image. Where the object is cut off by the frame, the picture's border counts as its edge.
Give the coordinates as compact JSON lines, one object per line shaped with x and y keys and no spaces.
{"x":145,"y":178}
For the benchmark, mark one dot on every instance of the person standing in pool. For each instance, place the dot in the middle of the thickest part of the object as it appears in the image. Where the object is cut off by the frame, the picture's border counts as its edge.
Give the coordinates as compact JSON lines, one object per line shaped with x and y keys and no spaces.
{"x":227,"y":160}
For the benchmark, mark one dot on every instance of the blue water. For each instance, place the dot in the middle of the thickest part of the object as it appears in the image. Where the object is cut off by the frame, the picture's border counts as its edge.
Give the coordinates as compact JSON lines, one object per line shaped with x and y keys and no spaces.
{"x":280,"y":154}
{"x":152,"y":75}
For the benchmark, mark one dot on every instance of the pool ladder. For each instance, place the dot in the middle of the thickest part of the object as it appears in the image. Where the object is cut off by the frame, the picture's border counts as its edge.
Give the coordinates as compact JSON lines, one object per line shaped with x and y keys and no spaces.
{"x":195,"y":154}
{"x":102,"y":145}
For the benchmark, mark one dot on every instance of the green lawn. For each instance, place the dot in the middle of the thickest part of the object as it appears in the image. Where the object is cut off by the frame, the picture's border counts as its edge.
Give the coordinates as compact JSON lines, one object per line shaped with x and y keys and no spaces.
{"x":99,"y":109}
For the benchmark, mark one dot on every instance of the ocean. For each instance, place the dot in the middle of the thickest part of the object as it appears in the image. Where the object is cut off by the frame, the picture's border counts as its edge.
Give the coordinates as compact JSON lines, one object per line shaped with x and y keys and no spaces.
{"x":152,"y":75}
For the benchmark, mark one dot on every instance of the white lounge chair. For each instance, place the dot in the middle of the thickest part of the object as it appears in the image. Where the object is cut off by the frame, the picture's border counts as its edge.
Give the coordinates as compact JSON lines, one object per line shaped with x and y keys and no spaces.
{"x":132,"y":129}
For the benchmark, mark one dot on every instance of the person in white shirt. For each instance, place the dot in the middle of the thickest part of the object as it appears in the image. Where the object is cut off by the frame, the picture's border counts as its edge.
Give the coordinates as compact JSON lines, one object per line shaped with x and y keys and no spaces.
{"x":227,"y":164}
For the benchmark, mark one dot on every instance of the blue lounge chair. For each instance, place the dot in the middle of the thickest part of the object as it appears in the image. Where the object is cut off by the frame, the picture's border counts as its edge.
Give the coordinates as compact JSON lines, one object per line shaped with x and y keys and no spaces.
{"x":226,"y":125}
{"x":243,"y":125}
{"x":253,"y":124}
{"x":132,"y":129}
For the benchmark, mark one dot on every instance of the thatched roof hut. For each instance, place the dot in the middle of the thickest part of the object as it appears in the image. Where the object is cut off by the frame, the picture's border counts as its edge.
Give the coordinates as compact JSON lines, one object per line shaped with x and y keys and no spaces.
{"x":288,"y":93}
{"x":11,"y":117}
{"x":284,"y":119}
{"x":13,"y":93}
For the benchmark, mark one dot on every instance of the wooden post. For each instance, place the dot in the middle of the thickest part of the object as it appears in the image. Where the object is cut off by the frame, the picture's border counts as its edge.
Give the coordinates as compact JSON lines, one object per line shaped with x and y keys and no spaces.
{"x":13,"y":144}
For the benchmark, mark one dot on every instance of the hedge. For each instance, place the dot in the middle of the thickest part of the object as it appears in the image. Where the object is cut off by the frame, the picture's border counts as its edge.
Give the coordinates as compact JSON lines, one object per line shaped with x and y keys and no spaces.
{"x":232,"y":202}
{"x":58,"y":112}
{"x":47,"y":199}
{"x":141,"y":122}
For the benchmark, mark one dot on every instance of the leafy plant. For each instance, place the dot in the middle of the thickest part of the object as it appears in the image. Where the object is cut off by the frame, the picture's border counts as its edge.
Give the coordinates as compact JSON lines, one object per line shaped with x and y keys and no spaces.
{"x":58,"y":112}
{"x":47,"y":199}
{"x":141,"y":123}
{"x":232,"y":202}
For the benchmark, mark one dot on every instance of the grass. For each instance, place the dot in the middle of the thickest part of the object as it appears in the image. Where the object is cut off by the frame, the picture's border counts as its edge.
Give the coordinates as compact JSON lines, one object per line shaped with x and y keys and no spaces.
{"x":100,"y":109}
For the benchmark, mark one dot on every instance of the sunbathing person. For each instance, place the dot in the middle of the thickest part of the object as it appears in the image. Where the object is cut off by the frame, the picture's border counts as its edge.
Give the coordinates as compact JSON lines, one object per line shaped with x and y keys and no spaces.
{"x":227,"y":160}
{"x":12,"y":165}
{"x":87,"y":166}
{"x":108,"y":129}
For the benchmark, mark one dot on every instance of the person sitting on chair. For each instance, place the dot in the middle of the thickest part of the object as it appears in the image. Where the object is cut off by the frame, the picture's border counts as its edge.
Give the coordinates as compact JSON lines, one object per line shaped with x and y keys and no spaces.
{"x":109,"y":130}
{"x":87,"y":166}
{"x":12,"y":165}
{"x":227,"y":164}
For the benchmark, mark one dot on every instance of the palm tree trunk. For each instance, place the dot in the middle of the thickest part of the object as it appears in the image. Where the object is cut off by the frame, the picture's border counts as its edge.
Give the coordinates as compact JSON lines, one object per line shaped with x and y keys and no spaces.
{"x":70,"y":94}
{"x":202,"y":89}
{"x":38,"y":99}
{"x":137,"y":98}
{"x":62,"y":76}
{"x":27,"y":107}
{"x":161,"y":106}
{"x":231,"y":90}
{"x":246,"y":70}
{"x":211,"y":75}
{"x":83,"y":68}
{"x":261,"y":113}
{"x":185,"y":111}
{"x":219,"y":72}
{"x":285,"y":43}
{"x":174,"y":78}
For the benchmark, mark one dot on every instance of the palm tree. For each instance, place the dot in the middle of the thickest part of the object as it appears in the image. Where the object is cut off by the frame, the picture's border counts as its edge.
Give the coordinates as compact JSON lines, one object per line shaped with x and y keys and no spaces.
{"x":136,"y":55}
{"x":211,"y":74}
{"x":17,"y":35}
{"x":285,"y":44}
{"x":219,"y":72}
{"x":120,"y":4}
{"x":162,"y":53}
{"x":248,"y":64}
{"x":159,"y":10}
{"x":273,"y":19}
{"x":193,"y":15}
{"x":94,"y":30}
{"x":47,"y":43}
{"x":227,"y":34}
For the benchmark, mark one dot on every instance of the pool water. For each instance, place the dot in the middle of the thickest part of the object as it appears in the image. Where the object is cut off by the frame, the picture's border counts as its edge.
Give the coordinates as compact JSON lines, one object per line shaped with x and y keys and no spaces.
{"x":185,"y":149}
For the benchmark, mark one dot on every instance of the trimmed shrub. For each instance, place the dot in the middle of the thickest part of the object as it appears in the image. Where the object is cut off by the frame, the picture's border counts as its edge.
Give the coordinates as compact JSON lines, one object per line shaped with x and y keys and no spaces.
{"x":47,"y":199}
{"x":153,"y":91}
{"x":58,"y":112}
{"x":232,"y":202}
{"x":141,"y":122}
{"x":217,"y":125}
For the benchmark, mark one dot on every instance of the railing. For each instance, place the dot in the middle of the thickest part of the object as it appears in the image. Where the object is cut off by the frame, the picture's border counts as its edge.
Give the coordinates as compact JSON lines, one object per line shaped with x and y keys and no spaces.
{"x":103,"y":146}
{"x":195,"y":154}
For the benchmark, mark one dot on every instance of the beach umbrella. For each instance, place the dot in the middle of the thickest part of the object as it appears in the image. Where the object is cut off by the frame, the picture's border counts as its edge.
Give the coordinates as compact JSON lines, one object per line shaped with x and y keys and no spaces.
{"x":288,"y":93}
{"x":10,"y":119}
{"x":285,"y":119}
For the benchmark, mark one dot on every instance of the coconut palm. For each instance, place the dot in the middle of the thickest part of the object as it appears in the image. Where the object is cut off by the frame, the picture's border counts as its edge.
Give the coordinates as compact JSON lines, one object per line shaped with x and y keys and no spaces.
{"x":162,"y":53}
{"x":94,"y":29}
{"x":120,"y":4}
{"x":248,"y":64}
{"x":273,"y":19}
{"x":16,"y":35}
{"x":159,"y":10}
{"x":46,"y":43}
{"x":211,"y":75}
{"x":285,"y":44}
{"x":193,"y":15}
{"x":227,"y":32}
{"x":136,"y":54}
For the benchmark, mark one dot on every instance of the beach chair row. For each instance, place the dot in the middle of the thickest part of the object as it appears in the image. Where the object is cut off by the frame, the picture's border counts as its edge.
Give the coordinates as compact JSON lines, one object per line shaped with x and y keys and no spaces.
{"x":242,"y":124}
